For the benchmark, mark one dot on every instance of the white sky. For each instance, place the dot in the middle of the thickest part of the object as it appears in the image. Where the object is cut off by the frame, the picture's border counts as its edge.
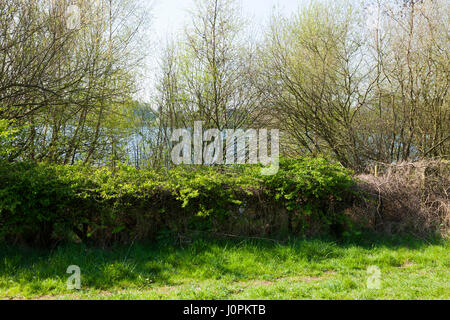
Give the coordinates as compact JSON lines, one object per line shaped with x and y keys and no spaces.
{"x":169,"y":16}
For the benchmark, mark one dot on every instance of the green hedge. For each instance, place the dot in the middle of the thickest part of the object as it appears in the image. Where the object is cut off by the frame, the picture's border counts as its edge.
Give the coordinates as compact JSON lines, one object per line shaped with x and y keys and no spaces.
{"x":41,"y":203}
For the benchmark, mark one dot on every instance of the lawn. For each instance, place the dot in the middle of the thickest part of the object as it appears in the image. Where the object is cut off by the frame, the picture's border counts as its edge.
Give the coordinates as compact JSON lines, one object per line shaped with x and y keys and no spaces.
{"x":233,"y":269}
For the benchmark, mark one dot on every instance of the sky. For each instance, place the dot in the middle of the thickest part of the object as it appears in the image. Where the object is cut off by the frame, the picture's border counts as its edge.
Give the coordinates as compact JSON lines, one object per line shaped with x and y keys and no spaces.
{"x":169,"y":16}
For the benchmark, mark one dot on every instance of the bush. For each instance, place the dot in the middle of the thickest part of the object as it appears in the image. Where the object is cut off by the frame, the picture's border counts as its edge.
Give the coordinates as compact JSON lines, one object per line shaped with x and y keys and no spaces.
{"x":7,"y":134}
{"x":312,"y":190}
{"x":406,"y":198}
{"x":40,"y":203}
{"x":31,"y":200}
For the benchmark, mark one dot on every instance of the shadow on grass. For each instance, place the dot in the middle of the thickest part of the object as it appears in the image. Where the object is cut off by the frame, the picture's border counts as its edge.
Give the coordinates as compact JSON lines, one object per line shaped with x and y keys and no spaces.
{"x":142,"y":266}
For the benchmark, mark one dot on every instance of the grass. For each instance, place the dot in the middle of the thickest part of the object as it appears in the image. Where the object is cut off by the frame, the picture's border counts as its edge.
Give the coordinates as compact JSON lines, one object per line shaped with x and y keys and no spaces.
{"x":232,"y":269}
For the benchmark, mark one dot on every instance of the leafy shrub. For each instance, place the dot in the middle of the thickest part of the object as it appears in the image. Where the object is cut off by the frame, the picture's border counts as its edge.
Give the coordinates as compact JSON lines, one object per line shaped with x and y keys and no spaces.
{"x":312,"y":188}
{"x":7,"y":134}
{"x":32,"y":200}
{"x":41,"y":202}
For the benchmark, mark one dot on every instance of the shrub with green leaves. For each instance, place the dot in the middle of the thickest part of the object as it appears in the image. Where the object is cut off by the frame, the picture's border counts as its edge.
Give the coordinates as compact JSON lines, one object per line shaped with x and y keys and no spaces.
{"x":33,"y":198}
{"x":311,"y":188}
{"x":40,"y":202}
{"x":7,"y":134}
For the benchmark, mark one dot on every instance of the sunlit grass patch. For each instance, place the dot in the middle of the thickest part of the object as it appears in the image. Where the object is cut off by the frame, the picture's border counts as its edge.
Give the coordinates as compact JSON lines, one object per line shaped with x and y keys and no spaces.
{"x":225,"y":269}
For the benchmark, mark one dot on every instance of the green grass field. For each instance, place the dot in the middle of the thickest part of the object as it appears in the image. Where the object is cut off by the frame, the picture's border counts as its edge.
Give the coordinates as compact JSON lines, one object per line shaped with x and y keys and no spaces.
{"x":233,"y":269}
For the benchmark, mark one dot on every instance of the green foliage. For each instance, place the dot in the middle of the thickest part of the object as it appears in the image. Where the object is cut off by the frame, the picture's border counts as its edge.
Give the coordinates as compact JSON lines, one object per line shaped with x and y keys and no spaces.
{"x":301,"y":181}
{"x":311,"y":187}
{"x":33,"y":199}
{"x":7,"y":133}
{"x":39,"y":202}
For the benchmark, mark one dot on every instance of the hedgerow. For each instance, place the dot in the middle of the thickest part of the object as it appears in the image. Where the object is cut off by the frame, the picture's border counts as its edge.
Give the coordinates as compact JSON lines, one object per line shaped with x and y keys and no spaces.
{"x":41,"y":203}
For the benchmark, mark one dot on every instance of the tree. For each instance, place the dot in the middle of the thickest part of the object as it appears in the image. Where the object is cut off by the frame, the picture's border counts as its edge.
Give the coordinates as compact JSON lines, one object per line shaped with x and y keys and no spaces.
{"x":208,"y":75}
{"x":360,"y":94}
{"x":318,"y":80}
{"x":64,"y":86}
